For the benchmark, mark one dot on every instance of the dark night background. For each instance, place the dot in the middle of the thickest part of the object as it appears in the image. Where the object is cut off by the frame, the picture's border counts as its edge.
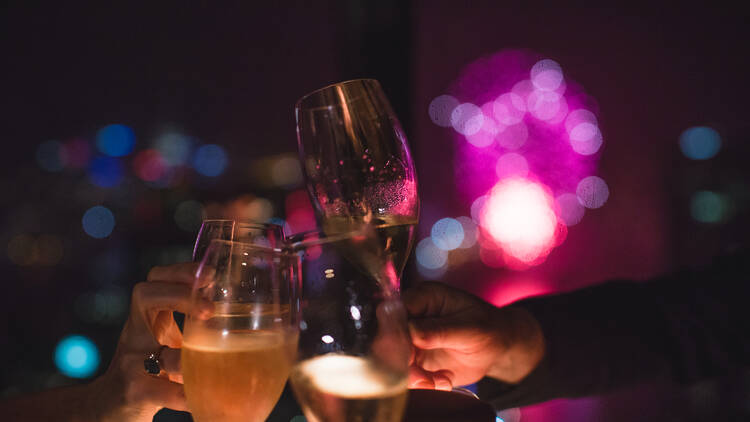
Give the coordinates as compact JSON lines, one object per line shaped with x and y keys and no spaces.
{"x":229,"y":74}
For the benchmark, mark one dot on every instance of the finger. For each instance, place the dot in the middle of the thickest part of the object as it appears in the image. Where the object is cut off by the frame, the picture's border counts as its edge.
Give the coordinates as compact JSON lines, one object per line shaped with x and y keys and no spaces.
{"x":438,"y":333}
{"x":178,"y":273}
{"x":163,"y":392}
{"x":438,"y":380}
{"x":161,"y":296}
{"x":170,"y":360}
{"x":426,"y":298}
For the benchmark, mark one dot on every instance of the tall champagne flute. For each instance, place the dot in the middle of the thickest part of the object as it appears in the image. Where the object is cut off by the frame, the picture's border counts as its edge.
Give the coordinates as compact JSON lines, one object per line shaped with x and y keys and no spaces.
{"x":245,"y":231}
{"x":235,"y":364}
{"x":354,"y":344}
{"x":357,"y":164}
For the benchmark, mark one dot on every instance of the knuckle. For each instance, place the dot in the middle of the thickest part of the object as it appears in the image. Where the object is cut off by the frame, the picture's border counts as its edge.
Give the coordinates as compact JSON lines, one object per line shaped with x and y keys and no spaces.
{"x":139,"y":291}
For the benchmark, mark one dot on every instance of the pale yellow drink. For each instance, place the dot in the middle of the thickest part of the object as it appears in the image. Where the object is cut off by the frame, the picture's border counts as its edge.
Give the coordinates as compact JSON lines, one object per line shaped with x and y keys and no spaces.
{"x":235,"y":375}
{"x":339,"y":388}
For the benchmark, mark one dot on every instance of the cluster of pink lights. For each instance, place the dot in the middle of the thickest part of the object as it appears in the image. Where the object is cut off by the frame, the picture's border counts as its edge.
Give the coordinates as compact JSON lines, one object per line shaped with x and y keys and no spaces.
{"x":527,"y":151}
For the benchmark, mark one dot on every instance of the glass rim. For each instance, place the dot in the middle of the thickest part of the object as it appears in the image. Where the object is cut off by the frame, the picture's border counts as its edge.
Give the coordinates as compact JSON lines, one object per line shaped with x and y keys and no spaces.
{"x":322,"y":238}
{"x":260,"y":249}
{"x":298,"y":104}
{"x":238,"y":221}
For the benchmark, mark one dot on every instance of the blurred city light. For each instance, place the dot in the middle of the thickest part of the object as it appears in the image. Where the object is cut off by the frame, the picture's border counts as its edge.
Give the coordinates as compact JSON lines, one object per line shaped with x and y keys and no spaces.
{"x":76,"y":153}
{"x":77,"y":357}
{"x":189,"y":215}
{"x":210,"y":160}
{"x":509,"y":109}
{"x":115,"y":140}
{"x":49,"y":250}
{"x":259,"y":209}
{"x":547,"y":105}
{"x":22,"y":249}
{"x":174,"y":147}
{"x":429,"y":255}
{"x":149,"y":165}
{"x":471,"y":232}
{"x":476,"y":208}
{"x":592,"y":192}
{"x":585,"y":138}
{"x":569,"y":209}
{"x":441,"y":110}
{"x":519,"y":215}
{"x":467,"y":119}
{"x":105,"y":172}
{"x":447,"y":234}
{"x":513,"y":137}
{"x":490,"y":128}
{"x":708,"y":207}
{"x":98,"y":222}
{"x":300,"y":215}
{"x":49,"y":156}
{"x":104,"y":307}
{"x":286,"y":172}
{"x":511,"y":165}
{"x":546,"y":75}
{"x":700,"y":143}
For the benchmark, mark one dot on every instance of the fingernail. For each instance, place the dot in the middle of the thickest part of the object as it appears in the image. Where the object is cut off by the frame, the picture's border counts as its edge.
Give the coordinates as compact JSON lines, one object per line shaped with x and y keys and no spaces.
{"x":443,"y":384}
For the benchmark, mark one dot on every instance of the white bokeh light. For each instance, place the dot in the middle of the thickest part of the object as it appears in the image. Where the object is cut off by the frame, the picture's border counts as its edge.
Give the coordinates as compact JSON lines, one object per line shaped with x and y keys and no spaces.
{"x":569,"y":209}
{"x":586,"y":138}
{"x":467,"y":119}
{"x":511,"y":165}
{"x":546,"y":75}
{"x":509,"y":109}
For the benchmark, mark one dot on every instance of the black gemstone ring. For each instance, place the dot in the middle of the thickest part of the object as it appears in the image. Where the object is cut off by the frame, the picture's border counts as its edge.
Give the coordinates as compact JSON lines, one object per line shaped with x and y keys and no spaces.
{"x":152,"y":364}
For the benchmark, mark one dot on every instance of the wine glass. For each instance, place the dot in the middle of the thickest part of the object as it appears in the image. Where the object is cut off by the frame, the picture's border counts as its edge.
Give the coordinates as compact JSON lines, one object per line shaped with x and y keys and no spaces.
{"x":357,"y":164}
{"x":235,"y":363}
{"x":264,"y":234}
{"x":353,"y":353}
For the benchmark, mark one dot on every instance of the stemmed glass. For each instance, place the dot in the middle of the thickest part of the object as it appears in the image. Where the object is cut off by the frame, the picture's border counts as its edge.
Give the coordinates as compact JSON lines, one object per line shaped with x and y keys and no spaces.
{"x":235,"y":363}
{"x":354,"y":346}
{"x":263,"y":234}
{"x":357,"y":164}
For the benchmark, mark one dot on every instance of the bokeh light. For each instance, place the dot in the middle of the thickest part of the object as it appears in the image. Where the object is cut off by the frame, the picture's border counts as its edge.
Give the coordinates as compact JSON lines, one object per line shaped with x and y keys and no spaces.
{"x":115,"y":140}
{"x":569,"y":209}
{"x":22,"y":249}
{"x":485,"y":136}
{"x":259,"y":209}
{"x":210,"y":160}
{"x":441,"y":109}
{"x":511,"y":165}
{"x":467,"y":119}
{"x":519,"y":215}
{"x":429,"y":255}
{"x":189,"y":215}
{"x":286,"y":172}
{"x":592,"y":192}
{"x":105,"y":172}
{"x":509,"y":109}
{"x":585,"y":138}
{"x":174,"y":147}
{"x":546,"y":75}
{"x":49,"y":156}
{"x":513,"y":137}
{"x":708,"y":207}
{"x":471,"y":232}
{"x":107,"y":306}
{"x":98,"y":222}
{"x":49,"y":250}
{"x":447,"y":234}
{"x":300,"y":216}
{"x":76,"y":153}
{"x":149,"y":165}
{"x":77,"y":357}
{"x":547,"y":105}
{"x":476,"y":208}
{"x":700,"y":143}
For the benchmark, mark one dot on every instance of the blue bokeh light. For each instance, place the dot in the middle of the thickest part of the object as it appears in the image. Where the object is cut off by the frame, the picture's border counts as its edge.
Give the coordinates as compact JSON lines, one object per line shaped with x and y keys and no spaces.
{"x":210,"y":160}
{"x":430,"y":256}
{"x":77,"y":357}
{"x":105,"y":172}
{"x":98,"y":222}
{"x":447,"y":234}
{"x":49,"y":156}
{"x":115,"y":140}
{"x":700,"y":143}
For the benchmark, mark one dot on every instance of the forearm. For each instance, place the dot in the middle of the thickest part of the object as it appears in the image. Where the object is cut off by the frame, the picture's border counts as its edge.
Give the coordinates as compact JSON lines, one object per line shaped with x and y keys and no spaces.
{"x":65,"y":404}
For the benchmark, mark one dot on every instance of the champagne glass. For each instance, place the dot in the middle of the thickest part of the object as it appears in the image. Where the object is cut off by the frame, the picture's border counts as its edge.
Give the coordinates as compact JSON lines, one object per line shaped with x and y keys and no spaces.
{"x":246,"y":231}
{"x":354,"y":346}
{"x":235,"y":363}
{"x":357,"y":164}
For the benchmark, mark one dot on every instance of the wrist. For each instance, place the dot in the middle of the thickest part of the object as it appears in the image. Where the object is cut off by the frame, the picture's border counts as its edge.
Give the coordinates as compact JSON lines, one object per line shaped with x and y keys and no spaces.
{"x":521,"y":346}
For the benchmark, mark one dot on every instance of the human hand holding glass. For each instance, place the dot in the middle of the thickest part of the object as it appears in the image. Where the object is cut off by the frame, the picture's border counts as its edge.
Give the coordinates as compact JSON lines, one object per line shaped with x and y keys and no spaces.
{"x":235,"y":364}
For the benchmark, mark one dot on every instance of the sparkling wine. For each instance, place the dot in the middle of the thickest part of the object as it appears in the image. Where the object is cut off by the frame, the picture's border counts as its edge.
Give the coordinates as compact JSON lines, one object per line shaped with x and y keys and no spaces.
{"x":340,"y":388}
{"x":235,"y":375}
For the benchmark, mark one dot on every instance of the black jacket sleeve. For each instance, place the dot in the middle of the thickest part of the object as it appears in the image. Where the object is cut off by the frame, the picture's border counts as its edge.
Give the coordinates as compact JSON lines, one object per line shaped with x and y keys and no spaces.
{"x":686,"y":326}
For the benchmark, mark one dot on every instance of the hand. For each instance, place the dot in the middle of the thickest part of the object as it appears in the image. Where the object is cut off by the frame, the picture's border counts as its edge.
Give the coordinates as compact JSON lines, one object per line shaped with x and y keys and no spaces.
{"x":459,"y":339}
{"x":126,"y":391}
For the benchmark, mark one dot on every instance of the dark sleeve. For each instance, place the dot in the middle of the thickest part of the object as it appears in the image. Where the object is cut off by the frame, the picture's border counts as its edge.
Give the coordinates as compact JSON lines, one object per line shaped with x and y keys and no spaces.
{"x":686,"y":326}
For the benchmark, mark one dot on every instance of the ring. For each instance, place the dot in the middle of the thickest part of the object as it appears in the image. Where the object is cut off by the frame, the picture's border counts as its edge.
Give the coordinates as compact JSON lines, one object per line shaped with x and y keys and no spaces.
{"x":152,"y":364}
